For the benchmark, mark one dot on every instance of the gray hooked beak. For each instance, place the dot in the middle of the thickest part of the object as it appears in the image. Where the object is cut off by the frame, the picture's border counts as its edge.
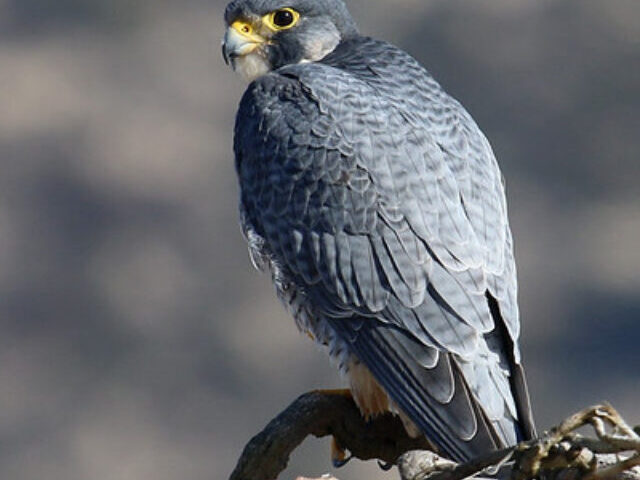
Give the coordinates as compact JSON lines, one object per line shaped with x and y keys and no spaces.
{"x":240,"y":40}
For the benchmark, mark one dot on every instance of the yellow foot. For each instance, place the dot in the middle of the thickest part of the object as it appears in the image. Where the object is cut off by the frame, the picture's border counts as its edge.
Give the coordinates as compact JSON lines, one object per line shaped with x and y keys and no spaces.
{"x":339,"y":456}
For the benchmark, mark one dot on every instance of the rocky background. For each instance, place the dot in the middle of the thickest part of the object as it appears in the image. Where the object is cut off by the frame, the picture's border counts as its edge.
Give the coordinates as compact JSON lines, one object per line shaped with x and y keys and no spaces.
{"x":137,"y":342}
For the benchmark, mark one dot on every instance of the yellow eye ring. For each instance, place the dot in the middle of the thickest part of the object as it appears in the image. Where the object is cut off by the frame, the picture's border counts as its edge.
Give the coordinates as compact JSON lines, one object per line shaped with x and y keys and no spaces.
{"x":281,"y":19}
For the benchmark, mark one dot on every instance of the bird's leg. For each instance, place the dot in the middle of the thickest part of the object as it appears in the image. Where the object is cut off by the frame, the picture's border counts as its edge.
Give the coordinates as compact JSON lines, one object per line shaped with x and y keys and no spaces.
{"x":339,"y":456}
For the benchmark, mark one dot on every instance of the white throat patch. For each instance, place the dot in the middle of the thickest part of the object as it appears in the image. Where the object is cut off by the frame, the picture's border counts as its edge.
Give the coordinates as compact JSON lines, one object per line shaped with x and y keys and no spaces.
{"x":251,"y":66}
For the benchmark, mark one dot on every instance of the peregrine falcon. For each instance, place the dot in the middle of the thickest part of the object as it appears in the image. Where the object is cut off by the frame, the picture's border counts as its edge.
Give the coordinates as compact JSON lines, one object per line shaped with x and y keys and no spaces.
{"x":376,"y":203}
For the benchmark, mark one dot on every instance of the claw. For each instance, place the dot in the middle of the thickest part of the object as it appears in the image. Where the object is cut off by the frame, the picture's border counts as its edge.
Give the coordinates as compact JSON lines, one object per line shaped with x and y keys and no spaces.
{"x":341,"y":463}
{"x":339,"y":456}
{"x":385,"y":467}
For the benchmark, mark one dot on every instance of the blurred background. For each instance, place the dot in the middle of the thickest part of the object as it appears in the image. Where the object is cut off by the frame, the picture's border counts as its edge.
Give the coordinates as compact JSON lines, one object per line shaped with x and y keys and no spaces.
{"x":136,"y":340}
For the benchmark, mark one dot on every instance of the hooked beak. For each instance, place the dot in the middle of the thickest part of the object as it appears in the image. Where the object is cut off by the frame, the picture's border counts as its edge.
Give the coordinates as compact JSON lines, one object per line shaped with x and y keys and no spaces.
{"x":240,"y":40}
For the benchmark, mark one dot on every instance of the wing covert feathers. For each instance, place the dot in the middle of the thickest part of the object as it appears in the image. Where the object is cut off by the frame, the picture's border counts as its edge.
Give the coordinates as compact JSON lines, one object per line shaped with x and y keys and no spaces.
{"x":379,"y":196}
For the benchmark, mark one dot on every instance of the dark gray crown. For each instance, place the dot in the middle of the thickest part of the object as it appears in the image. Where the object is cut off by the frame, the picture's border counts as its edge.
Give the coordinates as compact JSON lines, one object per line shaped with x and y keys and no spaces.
{"x":336,"y":10}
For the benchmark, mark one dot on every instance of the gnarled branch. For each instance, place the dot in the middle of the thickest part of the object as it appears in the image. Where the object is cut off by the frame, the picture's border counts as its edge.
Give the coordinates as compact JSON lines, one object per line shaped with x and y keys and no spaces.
{"x":321,"y":414}
{"x":560,"y":454}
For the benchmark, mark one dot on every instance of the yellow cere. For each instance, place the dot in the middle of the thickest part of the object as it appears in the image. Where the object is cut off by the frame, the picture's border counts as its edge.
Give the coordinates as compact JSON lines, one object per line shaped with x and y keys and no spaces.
{"x":242,"y":27}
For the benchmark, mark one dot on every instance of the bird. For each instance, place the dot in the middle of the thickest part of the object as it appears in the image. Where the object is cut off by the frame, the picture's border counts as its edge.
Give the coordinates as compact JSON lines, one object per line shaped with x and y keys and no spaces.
{"x":376,"y":204}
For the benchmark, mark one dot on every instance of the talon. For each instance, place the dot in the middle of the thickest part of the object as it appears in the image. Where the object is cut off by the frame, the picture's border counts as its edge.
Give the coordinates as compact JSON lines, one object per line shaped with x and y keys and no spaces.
{"x":341,"y":463}
{"x":339,"y":456}
{"x":385,"y":467}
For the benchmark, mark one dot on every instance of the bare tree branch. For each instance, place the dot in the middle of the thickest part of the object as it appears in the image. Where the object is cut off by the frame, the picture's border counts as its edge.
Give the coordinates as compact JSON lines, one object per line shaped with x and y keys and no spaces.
{"x":560,"y":454}
{"x":321,"y":414}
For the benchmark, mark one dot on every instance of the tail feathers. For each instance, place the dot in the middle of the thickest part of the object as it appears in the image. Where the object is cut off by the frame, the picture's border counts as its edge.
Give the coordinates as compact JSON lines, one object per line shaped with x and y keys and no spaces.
{"x":436,"y":397}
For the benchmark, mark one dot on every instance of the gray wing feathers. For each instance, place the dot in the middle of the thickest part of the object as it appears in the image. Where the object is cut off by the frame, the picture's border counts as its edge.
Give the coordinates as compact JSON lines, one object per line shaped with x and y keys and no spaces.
{"x":388,"y":204}
{"x":444,"y":412}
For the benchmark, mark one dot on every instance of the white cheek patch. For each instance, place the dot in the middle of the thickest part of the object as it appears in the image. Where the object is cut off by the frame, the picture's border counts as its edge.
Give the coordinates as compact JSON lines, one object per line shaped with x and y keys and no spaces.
{"x":320,"y":48}
{"x":320,"y":41}
{"x":251,"y":66}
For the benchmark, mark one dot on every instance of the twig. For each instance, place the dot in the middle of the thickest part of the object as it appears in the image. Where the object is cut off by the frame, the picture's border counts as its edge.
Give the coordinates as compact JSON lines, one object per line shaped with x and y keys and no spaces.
{"x":560,"y":454}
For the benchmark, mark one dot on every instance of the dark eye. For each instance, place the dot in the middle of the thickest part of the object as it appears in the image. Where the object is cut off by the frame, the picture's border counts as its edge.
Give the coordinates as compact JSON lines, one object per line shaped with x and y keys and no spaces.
{"x":283,"y":18}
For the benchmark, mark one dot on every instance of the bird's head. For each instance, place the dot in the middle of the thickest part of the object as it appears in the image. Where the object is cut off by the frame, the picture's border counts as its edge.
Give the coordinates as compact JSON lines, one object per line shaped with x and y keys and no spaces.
{"x":263,"y":35}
